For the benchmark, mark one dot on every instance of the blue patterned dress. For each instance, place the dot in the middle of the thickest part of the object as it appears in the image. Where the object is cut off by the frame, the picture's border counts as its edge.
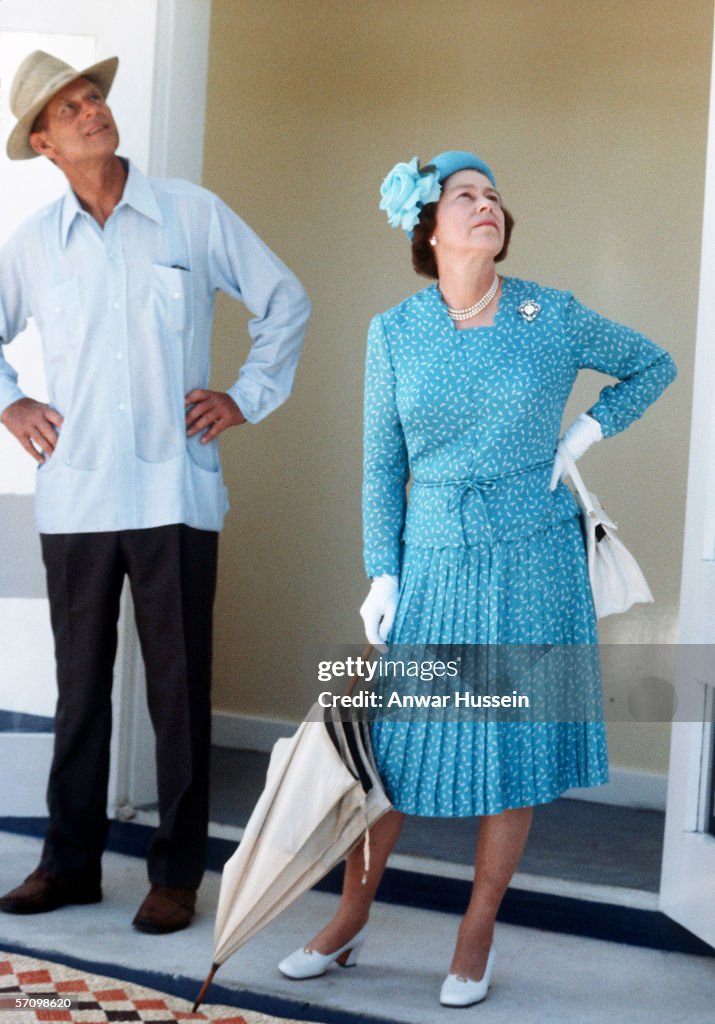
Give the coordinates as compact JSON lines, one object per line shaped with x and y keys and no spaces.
{"x":486,"y":554}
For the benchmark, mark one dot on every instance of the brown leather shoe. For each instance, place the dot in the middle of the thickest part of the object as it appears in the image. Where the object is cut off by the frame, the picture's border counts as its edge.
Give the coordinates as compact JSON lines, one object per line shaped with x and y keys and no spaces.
{"x":40,"y":893}
{"x":165,"y":910}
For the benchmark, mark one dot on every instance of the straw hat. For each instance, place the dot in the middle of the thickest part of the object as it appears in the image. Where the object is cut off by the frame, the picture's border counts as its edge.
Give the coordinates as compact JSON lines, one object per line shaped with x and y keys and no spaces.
{"x":36,"y":81}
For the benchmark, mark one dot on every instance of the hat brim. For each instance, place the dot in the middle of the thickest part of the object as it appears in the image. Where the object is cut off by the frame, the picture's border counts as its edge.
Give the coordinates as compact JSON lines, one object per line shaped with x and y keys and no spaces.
{"x":102,"y":74}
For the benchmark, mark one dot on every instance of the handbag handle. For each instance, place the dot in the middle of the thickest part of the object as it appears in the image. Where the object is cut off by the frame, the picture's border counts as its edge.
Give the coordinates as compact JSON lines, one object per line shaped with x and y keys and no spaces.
{"x":577,"y":479}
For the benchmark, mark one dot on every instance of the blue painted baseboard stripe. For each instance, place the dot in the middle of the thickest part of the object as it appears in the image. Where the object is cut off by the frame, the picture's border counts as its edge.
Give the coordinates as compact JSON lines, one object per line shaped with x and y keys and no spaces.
{"x":609,"y":922}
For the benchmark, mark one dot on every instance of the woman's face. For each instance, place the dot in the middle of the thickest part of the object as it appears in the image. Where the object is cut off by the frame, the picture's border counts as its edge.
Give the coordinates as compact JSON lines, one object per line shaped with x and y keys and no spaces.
{"x":469,"y":216}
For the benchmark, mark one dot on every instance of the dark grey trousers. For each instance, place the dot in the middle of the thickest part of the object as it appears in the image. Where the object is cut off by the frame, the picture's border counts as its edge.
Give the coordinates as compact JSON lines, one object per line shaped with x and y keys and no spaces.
{"x":172,"y":574}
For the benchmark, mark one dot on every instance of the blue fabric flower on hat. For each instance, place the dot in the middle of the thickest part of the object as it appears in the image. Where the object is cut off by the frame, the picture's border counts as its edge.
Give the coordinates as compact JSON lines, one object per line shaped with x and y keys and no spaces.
{"x":405,"y":191}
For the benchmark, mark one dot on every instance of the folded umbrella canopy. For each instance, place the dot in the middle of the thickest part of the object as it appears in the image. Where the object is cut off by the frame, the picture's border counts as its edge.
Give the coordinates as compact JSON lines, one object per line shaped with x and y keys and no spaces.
{"x":321,"y":796}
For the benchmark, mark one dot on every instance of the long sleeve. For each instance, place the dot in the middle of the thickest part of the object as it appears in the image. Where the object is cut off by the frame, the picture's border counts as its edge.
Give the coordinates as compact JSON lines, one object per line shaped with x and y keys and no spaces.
{"x":244,"y":267}
{"x":13,"y":318}
{"x":385,"y":466}
{"x":643,"y":369}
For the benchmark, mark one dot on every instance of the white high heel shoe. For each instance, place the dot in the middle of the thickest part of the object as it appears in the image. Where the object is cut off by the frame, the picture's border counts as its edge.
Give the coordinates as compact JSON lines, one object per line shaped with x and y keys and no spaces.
{"x":460,"y":991}
{"x":308,"y":963}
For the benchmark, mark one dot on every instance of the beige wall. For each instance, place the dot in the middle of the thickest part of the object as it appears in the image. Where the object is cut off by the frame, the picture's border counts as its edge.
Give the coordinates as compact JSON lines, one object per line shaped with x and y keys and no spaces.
{"x":593,"y":115}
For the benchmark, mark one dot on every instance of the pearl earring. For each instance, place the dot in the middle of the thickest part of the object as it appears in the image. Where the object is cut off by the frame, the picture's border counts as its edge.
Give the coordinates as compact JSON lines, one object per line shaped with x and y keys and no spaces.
{"x":433,"y":240}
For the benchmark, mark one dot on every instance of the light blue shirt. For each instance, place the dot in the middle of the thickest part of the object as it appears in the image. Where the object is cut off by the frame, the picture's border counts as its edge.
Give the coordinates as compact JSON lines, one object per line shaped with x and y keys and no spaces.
{"x":125,"y":318}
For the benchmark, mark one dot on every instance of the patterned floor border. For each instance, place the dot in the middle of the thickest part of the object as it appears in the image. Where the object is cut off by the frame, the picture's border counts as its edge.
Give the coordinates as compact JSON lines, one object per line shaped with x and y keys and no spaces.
{"x":34,"y":991}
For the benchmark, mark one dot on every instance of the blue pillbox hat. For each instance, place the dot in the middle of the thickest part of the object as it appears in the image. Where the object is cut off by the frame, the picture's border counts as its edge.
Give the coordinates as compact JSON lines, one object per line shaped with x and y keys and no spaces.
{"x":456,"y":160}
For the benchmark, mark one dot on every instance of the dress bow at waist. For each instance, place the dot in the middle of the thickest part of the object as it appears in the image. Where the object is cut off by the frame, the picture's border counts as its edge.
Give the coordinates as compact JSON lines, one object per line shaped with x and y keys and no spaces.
{"x":506,"y":504}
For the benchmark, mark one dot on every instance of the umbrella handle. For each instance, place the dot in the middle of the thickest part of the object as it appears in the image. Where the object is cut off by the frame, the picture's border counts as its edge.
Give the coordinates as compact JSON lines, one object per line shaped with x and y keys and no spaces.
{"x":353,"y":679}
{"x":204,"y":987}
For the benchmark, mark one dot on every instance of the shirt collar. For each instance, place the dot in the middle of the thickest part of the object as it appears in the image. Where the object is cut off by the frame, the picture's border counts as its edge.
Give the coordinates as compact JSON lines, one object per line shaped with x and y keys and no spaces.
{"x":138,"y":194}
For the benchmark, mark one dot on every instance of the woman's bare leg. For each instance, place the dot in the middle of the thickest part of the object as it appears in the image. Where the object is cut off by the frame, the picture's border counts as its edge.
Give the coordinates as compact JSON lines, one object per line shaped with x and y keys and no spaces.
{"x":502,"y":838}
{"x":356,"y":899}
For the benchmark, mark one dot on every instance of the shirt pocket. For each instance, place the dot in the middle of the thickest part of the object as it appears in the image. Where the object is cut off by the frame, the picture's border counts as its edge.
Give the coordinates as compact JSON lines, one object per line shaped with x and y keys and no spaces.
{"x":157,"y":374}
{"x":171,"y":291}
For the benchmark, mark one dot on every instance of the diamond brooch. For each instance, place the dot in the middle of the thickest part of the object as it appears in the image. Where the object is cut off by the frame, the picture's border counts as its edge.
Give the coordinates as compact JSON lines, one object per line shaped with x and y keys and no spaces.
{"x":529,"y":310}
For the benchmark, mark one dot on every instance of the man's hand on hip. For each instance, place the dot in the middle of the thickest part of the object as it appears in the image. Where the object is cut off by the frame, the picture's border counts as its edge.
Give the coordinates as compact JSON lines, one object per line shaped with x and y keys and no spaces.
{"x":35,"y":425}
{"x":212,"y":411}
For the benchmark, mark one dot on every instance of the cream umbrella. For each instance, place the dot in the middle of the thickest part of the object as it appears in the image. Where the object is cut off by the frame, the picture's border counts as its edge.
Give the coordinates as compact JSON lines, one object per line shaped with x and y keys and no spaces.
{"x":322,"y":795}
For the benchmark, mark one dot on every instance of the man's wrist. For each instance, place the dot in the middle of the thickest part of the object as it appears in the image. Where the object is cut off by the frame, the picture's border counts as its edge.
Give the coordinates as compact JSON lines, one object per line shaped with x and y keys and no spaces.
{"x":6,"y":404}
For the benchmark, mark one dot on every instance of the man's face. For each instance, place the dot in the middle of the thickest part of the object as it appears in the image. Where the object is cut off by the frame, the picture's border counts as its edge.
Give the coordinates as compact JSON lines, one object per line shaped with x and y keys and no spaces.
{"x":75,"y":126}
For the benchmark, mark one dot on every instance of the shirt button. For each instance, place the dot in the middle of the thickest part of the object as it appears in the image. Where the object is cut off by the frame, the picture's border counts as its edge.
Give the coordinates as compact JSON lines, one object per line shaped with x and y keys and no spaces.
{"x":122,"y":406}
{"x":119,"y":355}
{"x":176,"y":295}
{"x":116,"y":305}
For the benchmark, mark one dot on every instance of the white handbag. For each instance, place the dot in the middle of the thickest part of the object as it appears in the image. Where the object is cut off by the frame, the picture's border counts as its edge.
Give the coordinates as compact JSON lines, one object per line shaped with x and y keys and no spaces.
{"x":616,"y":578}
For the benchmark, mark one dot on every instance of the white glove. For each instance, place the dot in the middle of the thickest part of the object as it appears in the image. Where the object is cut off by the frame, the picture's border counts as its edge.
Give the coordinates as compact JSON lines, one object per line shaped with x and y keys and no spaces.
{"x":378,"y":609}
{"x":583,"y":432}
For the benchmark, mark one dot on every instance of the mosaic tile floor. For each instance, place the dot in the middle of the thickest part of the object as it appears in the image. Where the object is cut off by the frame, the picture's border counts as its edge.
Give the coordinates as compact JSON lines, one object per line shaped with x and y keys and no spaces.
{"x":33,"y":991}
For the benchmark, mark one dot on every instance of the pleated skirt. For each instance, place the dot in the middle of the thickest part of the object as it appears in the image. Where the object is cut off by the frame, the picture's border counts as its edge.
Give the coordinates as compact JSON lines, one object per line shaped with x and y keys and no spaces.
{"x":530,"y":591}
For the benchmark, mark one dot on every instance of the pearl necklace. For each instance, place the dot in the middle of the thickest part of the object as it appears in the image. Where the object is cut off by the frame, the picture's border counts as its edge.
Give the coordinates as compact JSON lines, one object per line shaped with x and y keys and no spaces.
{"x":470,"y":311}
